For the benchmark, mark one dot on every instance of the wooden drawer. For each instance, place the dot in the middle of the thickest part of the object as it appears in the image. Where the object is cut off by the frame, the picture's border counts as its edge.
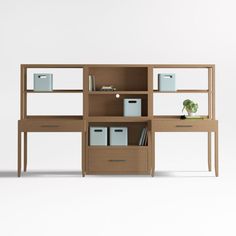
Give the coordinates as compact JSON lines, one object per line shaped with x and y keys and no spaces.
{"x":184,"y":125}
{"x":114,"y":160}
{"x":51,"y":125}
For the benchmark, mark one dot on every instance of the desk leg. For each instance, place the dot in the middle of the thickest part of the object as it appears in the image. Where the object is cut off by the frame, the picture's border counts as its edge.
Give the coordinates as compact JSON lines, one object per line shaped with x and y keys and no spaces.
{"x":209,"y":151}
{"x":83,"y":153}
{"x":19,"y":153}
{"x":153,"y":152}
{"x":25,"y":151}
{"x":216,"y":154}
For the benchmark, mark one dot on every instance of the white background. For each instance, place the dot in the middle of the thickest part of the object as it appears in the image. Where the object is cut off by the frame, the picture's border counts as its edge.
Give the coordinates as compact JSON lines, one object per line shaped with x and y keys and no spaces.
{"x":131,"y":31}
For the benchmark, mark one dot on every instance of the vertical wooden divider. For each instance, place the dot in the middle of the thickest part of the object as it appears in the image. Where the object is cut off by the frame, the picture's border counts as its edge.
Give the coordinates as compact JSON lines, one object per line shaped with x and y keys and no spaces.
{"x":151,"y":143}
{"x":85,"y":118}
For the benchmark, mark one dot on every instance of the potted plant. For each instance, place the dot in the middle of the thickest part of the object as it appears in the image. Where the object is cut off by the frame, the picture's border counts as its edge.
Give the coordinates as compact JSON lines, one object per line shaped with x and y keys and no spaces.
{"x":190,"y":106}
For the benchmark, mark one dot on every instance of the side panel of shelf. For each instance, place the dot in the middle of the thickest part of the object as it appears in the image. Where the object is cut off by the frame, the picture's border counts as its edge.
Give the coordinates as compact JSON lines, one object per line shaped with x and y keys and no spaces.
{"x":150,"y":91}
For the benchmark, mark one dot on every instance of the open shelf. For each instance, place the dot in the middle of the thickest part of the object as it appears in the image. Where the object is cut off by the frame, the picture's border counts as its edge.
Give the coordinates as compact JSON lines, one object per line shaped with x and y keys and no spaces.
{"x":109,"y":105}
{"x":183,"y":91}
{"x":117,"y":92}
{"x":56,"y":91}
{"x":134,"y":131}
{"x":119,"y":147}
{"x":122,"y":78}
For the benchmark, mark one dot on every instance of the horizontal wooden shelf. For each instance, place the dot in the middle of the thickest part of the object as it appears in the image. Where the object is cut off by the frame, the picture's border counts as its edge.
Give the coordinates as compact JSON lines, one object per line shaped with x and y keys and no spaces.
{"x":184,"y":66}
{"x":118,"y":119}
{"x":56,"y":91}
{"x":118,"y":147}
{"x":118,"y":65}
{"x":37,"y":117}
{"x":116,"y":92}
{"x":175,"y":117}
{"x":183,"y":91}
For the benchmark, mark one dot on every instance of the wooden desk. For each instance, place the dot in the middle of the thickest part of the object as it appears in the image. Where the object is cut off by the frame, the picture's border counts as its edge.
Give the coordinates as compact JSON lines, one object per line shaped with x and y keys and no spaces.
{"x":47,"y":124}
{"x":177,"y":125}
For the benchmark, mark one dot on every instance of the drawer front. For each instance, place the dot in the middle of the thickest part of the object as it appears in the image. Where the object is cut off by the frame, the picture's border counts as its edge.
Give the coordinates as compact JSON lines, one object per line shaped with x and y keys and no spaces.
{"x":117,"y":160}
{"x":52,"y":126}
{"x":185,"y":126}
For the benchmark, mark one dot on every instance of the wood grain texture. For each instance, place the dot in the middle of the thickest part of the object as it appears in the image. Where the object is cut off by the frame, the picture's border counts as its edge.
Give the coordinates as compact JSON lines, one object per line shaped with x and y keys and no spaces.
{"x":184,"y":125}
{"x":52,"y":125}
{"x":118,"y":160}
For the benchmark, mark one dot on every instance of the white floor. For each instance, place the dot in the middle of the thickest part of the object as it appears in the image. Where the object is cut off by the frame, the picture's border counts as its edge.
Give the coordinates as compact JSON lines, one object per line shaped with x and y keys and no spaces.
{"x":53,"y":198}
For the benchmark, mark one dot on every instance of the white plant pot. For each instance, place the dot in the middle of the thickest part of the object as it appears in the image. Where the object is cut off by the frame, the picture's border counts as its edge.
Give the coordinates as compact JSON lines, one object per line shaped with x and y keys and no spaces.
{"x":190,"y":113}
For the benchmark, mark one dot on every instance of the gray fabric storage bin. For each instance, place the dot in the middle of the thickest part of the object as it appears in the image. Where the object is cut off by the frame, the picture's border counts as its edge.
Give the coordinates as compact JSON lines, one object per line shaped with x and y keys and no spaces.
{"x":166,"y":82}
{"x":118,"y":136}
{"x":98,"y":136}
{"x":132,"y":106}
{"x":43,"y":82}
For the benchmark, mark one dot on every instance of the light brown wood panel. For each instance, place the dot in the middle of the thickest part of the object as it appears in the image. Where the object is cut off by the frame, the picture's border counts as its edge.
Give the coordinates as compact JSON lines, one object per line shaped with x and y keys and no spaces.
{"x":117,"y":159}
{"x":122,"y":78}
{"x":184,"y":125}
{"x":183,"y":65}
{"x":51,"y":125}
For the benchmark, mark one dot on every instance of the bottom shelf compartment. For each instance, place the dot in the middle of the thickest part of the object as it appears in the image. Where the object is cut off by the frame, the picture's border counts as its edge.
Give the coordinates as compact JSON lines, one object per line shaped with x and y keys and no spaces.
{"x":135,"y":133}
{"x":117,"y":160}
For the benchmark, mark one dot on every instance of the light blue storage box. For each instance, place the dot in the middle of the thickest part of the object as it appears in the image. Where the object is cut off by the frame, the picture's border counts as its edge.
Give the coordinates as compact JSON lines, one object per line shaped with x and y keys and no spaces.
{"x":43,"y":82}
{"x":118,"y":136}
{"x":166,"y":82}
{"x":98,"y":136}
{"x":132,"y":106}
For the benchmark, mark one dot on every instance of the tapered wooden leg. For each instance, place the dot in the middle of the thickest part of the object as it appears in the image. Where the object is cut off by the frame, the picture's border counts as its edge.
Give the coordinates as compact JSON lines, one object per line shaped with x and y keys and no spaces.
{"x":153,"y":153}
{"x":19,"y":153}
{"x":209,"y":151}
{"x":83,"y":153}
{"x":25,"y":151}
{"x":216,"y":155}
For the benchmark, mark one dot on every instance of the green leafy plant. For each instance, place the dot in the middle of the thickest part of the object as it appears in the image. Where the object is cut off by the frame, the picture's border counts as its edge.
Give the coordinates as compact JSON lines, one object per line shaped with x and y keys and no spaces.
{"x":190,"y":106}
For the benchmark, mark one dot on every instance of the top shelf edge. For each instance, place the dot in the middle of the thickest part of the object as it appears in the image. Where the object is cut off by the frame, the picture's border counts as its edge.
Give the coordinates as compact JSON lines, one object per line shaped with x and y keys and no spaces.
{"x":118,"y":65}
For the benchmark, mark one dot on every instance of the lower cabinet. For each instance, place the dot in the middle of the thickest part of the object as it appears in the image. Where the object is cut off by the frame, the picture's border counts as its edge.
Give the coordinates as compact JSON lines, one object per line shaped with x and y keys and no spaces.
{"x":117,"y":160}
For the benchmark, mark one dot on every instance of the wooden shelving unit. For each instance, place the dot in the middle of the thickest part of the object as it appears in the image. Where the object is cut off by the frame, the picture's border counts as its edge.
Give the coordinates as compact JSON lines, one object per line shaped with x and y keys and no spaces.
{"x":104,"y":108}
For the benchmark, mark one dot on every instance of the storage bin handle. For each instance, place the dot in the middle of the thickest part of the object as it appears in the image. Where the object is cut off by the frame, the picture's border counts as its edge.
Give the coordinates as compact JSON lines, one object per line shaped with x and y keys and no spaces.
{"x":132,"y":101}
{"x":118,"y":130}
{"x":42,"y":76}
{"x":98,"y":130}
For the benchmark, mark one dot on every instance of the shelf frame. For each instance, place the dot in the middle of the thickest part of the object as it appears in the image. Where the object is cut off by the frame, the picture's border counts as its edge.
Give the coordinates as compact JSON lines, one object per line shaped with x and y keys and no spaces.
{"x":149,"y":119}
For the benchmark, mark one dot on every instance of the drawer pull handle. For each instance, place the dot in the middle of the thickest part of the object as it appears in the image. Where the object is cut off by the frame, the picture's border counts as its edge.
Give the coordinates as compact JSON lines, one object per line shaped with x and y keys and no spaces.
{"x":183,"y":126}
{"x":49,"y":126}
{"x":117,"y":160}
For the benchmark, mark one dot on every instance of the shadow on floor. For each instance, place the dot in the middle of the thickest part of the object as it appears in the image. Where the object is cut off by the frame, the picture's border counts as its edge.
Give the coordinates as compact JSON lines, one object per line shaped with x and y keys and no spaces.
{"x":62,"y":174}
{"x":184,"y":174}
{"x":38,"y":173}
